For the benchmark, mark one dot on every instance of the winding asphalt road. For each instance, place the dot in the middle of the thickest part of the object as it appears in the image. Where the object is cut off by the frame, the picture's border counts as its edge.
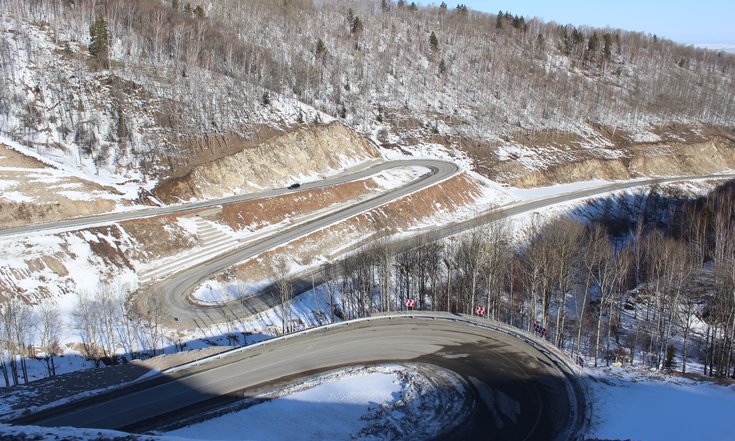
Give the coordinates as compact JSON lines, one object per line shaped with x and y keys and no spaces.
{"x":521,"y":389}
{"x":181,"y":312}
{"x":442,"y":171}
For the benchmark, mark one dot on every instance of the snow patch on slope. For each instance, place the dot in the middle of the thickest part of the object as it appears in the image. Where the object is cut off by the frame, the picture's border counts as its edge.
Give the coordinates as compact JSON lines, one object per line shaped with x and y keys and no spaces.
{"x":651,"y":407}
{"x":428,"y":151}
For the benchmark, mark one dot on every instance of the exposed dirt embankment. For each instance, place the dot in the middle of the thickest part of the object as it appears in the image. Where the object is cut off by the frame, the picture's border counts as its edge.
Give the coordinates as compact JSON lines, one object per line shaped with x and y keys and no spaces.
{"x":263,"y":212}
{"x":273,"y":163}
{"x":32,"y":192}
{"x":439,"y":203}
{"x":162,"y":236}
{"x":652,"y":159}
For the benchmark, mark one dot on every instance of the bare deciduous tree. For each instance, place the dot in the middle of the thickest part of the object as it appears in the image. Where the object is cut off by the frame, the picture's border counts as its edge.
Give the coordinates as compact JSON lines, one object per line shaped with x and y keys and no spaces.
{"x":50,"y":326}
{"x":284,"y":286}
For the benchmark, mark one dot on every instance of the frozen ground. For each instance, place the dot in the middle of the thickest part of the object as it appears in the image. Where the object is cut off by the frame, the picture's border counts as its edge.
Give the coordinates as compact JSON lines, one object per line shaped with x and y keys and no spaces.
{"x":367,"y":403}
{"x":651,"y":407}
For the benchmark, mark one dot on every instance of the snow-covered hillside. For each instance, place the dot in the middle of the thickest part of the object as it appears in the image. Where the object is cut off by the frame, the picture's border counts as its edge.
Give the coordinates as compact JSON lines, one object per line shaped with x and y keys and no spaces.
{"x":127,"y":120}
{"x":719,"y":47}
{"x":183,"y":90}
{"x":244,"y":96}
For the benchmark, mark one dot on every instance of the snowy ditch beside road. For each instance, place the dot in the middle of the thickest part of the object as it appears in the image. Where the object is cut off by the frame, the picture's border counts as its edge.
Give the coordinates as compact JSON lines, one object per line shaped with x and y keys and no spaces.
{"x":387,"y":402}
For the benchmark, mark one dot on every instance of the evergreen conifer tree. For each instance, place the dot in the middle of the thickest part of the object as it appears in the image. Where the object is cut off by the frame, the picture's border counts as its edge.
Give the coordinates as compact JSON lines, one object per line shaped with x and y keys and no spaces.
{"x":592,"y":45}
{"x":540,"y":42}
{"x":577,"y":36}
{"x":519,"y":22}
{"x":199,"y":11}
{"x":607,"y":46}
{"x":320,"y":49}
{"x":356,"y":27}
{"x":350,"y":17}
{"x":99,"y":38}
{"x":433,"y":42}
{"x":122,"y":127}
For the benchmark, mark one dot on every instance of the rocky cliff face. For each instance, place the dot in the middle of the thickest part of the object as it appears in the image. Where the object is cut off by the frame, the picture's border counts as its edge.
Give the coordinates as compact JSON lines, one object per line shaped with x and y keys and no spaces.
{"x":657,"y":159}
{"x":292,"y":157}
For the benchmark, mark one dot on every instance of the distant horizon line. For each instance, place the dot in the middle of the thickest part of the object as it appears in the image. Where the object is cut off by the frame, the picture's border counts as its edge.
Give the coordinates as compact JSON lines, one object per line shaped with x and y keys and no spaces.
{"x":725,"y":47}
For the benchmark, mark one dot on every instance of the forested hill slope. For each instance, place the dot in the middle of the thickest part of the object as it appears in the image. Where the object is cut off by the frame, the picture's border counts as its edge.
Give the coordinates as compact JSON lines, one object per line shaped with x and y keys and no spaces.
{"x":150,"y":88}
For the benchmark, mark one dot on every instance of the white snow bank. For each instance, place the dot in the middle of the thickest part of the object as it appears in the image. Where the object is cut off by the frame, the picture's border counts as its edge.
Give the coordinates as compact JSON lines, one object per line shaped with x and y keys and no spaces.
{"x":66,"y":433}
{"x":14,"y":196}
{"x":527,"y":194}
{"x":329,"y":411}
{"x":642,"y":406}
{"x":644,"y":137}
{"x":373,"y":403}
{"x":398,"y":177}
{"x":213,"y":292}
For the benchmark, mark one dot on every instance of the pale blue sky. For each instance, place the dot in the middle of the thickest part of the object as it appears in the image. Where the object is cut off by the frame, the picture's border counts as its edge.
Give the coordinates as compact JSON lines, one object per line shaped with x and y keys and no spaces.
{"x":695,"y":22}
